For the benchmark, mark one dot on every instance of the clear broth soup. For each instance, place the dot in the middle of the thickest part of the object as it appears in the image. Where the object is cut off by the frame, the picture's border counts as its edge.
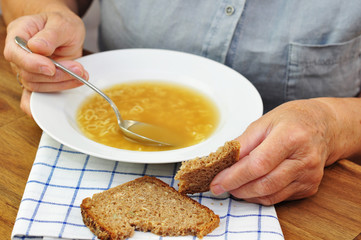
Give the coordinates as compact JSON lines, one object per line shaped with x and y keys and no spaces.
{"x":187,"y":113}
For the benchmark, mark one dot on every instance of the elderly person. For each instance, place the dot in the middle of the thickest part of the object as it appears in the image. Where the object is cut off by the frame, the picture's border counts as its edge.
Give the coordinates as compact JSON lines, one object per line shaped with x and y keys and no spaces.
{"x":302,"y":56}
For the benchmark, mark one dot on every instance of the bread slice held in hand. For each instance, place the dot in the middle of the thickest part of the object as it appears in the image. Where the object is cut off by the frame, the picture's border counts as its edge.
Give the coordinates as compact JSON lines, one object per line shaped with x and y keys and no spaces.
{"x":196,"y":175}
{"x":146,"y":204}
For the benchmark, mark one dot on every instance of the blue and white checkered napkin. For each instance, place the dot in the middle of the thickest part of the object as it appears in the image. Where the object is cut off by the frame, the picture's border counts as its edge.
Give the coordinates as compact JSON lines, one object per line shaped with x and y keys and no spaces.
{"x":61,"y":178}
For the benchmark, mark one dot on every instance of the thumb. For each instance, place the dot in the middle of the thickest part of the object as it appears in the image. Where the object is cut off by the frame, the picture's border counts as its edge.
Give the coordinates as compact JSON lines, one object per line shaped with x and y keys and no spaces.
{"x":58,"y":38}
{"x":44,"y":42}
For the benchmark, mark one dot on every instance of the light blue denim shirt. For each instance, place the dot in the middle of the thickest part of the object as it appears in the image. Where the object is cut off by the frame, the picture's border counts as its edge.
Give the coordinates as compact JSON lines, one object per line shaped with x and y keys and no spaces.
{"x":289,"y":49}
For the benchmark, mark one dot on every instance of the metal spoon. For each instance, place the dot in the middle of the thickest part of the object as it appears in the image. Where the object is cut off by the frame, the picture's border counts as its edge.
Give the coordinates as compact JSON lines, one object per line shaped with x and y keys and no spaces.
{"x":124,"y":125}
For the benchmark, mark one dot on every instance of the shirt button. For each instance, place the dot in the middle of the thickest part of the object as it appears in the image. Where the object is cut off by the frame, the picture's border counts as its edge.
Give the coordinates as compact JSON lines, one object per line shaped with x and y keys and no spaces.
{"x":229,"y":10}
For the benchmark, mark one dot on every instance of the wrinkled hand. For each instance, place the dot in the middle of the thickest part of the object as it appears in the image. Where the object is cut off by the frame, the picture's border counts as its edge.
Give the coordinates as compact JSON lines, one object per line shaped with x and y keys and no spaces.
{"x":55,"y":34}
{"x":283,"y":155}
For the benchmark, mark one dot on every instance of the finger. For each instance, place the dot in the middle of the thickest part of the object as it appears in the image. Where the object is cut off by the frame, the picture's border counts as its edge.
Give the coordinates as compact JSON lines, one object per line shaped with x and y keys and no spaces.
{"x":36,"y":30}
{"x":262,"y":160}
{"x":273,"y":198}
{"x":25,"y":27}
{"x":53,"y":87}
{"x":293,"y":191}
{"x":55,"y":39}
{"x":25,"y":102}
{"x":283,"y":175}
{"x":59,"y":76}
{"x":33,"y":63}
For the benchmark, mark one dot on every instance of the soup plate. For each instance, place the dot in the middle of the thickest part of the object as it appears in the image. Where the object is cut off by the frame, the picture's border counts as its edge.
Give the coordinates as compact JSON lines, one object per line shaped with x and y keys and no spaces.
{"x":237,"y":100}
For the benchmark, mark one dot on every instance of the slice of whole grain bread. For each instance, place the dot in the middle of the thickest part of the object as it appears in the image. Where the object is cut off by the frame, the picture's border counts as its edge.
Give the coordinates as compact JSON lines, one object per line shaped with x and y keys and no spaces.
{"x":196,"y":175}
{"x":146,"y":204}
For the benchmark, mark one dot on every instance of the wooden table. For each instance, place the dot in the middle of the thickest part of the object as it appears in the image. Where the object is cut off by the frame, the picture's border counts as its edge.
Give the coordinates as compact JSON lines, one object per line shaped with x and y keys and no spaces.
{"x":333,"y":213}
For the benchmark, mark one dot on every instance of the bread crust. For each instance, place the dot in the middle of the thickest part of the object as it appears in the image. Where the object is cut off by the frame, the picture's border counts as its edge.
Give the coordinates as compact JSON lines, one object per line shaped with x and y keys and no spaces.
{"x":104,"y":228}
{"x":196,"y":175}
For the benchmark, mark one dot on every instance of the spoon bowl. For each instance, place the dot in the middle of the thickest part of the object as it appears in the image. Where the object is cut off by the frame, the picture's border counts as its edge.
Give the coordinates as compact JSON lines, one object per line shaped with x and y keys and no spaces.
{"x":130,"y":128}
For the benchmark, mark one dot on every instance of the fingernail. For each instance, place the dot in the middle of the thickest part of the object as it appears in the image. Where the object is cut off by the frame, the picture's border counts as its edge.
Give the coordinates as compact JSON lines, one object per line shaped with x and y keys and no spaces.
{"x":77,"y":71}
{"x":217,"y":189}
{"x":46,"y":71}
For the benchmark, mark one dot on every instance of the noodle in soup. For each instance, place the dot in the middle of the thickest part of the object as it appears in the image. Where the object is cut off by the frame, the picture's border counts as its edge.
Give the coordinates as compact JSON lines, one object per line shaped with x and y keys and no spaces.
{"x":189,"y":114}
